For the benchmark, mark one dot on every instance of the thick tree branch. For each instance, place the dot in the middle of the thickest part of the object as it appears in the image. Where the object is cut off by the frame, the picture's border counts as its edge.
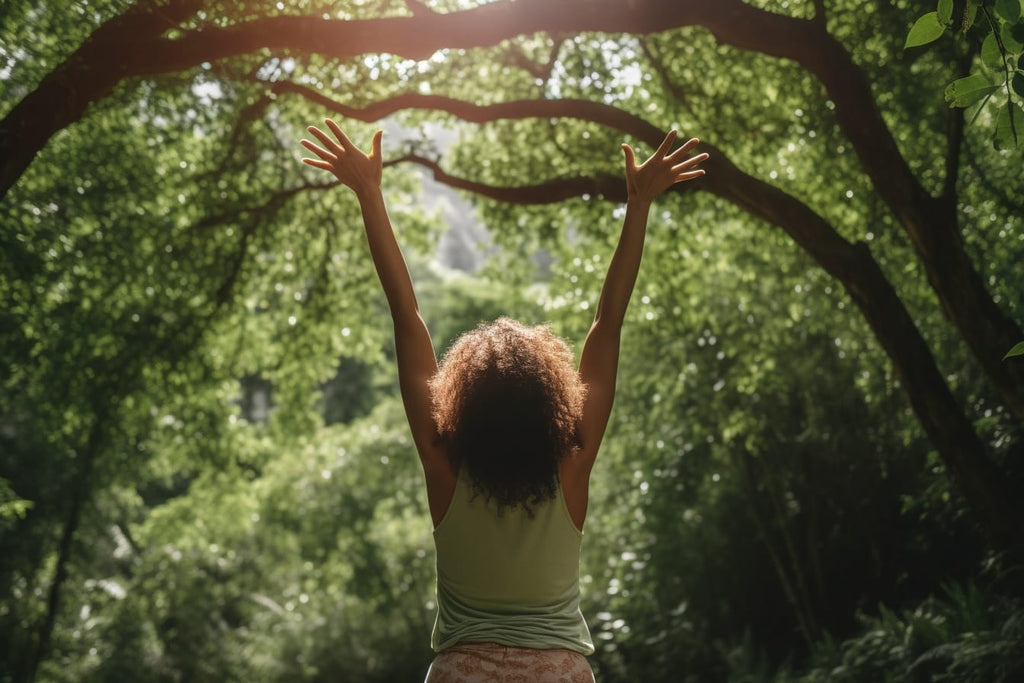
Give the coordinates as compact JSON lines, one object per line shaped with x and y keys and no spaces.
{"x":417,"y":8}
{"x":586,"y":110}
{"x":116,"y":51}
{"x":820,"y":15}
{"x":136,"y":44}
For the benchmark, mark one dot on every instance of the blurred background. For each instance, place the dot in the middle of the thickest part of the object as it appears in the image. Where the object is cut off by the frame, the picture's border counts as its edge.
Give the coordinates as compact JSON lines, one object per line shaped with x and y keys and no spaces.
{"x":812,"y":471}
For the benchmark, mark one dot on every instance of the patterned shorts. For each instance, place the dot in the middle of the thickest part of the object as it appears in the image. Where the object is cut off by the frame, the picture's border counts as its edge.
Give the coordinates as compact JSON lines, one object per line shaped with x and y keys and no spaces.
{"x":491,"y":663}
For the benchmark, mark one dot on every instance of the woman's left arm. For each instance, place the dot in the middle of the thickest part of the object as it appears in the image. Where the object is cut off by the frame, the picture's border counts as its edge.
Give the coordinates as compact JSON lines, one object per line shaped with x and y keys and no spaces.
{"x":600,"y":358}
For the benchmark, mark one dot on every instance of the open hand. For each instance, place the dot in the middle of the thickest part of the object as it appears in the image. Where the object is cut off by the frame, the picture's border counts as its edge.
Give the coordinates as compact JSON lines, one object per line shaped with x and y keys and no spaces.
{"x":348,"y":163}
{"x":662,"y":170}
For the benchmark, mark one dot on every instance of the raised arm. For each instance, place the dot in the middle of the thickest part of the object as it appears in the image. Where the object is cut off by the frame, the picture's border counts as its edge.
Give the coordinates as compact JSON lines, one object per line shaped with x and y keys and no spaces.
{"x":600,"y":359}
{"x":415,"y":353}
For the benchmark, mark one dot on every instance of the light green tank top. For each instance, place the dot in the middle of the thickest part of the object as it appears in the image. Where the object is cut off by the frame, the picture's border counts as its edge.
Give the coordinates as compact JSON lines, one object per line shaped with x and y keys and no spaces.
{"x":511,"y":578}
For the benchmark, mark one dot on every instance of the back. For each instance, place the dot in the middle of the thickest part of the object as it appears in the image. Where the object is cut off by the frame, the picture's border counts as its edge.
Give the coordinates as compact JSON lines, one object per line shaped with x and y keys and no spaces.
{"x":511,"y":578}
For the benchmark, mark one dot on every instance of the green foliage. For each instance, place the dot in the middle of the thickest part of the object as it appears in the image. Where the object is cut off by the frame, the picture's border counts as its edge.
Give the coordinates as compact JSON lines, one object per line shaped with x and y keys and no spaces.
{"x":964,"y":92}
{"x":194,"y":341}
{"x":965,"y":635}
{"x":926,"y":29}
{"x":1010,"y":126}
{"x":11,"y":506}
{"x":1001,"y":52}
{"x":1017,"y":350}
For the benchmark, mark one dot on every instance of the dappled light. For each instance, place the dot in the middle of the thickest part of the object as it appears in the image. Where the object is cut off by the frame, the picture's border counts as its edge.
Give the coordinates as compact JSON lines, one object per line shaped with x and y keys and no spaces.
{"x":813,"y":464}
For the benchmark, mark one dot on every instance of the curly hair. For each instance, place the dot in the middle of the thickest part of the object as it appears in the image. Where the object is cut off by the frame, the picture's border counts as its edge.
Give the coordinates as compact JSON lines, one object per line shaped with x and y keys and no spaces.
{"x":507,"y":402}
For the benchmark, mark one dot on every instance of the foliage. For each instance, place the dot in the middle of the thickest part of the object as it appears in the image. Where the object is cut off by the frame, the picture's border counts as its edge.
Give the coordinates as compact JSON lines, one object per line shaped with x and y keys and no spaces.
{"x":11,"y":506}
{"x":197,"y":387}
{"x":965,"y":635}
{"x":1001,"y":59}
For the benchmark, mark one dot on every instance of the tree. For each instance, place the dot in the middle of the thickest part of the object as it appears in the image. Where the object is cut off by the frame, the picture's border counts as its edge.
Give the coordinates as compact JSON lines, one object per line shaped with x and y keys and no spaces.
{"x":931,"y":222}
{"x":878,"y":197}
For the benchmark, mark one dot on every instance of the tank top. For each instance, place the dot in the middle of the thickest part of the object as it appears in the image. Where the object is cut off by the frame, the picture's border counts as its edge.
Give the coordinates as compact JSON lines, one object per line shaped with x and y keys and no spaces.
{"x":508,"y":578}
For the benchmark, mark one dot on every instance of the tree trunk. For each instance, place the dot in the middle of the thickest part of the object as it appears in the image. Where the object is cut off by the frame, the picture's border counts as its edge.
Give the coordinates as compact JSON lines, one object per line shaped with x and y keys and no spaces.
{"x":931,"y":222}
{"x":82,"y":483}
{"x":996,"y":508}
{"x":802,"y":609}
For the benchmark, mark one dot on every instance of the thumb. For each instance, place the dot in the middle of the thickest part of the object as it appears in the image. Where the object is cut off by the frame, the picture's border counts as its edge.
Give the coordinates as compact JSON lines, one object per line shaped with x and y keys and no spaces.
{"x":630,"y":159}
{"x":376,"y":143}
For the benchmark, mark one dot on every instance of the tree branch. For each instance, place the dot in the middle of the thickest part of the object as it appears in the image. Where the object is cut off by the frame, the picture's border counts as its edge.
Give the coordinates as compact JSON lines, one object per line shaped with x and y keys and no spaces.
{"x":659,"y":68}
{"x":137,"y":44}
{"x":114,"y":52}
{"x":274,"y":201}
{"x":418,"y":9}
{"x":954,"y":142}
{"x":954,"y":138}
{"x":542,"y":72}
{"x":820,"y":16}
{"x":608,"y":187}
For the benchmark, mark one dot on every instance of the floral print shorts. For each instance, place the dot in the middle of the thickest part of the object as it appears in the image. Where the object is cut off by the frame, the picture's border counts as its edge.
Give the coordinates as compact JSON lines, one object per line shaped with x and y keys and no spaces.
{"x":492,"y":663}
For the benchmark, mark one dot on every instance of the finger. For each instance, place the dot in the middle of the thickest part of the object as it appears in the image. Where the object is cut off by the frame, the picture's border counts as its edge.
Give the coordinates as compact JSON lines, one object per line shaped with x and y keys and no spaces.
{"x":345,"y":142}
{"x":319,"y":151}
{"x":686,"y":148}
{"x":688,"y":175}
{"x":326,"y":139}
{"x":630,"y":158}
{"x":375,"y":146}
{"x":689,"y":163}
{"x":317,"y":163}
{"x":666,"y":144}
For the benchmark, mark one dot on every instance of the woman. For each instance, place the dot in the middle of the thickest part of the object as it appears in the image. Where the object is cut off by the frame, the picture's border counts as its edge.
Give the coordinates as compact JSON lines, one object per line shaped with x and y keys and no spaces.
{"x":507,"y":432}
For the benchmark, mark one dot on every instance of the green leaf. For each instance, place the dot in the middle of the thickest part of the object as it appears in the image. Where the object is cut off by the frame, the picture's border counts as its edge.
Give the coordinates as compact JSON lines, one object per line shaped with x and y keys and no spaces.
{"x":925,"y":30}
{"x":1013,"y":37}
{"x":963,"y":92}
{"x":945,"y":12}
{"x":1010,"y":127}
{"x":1017,"y":350}
{"x":990,"y":53}
{"x":1017,"y":31}
{"x":1008,"y":9}
{"x":970,"y":12}
{"x":1018,"y":84}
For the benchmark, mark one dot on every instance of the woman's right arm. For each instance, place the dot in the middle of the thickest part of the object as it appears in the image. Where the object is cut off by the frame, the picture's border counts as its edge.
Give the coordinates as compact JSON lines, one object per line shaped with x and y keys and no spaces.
{"x":600,"y":358}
